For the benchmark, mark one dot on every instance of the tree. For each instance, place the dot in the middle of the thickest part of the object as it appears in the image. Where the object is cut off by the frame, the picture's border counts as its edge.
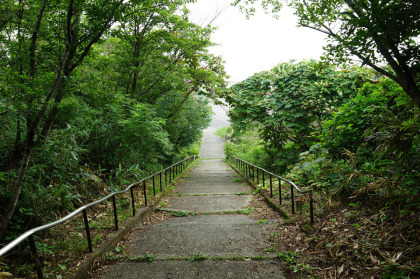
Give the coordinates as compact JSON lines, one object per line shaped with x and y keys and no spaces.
{"x":60,"y":37}
{"x":77,"y":92}
{"x":382,"y":34}
{"x":290,"y":102}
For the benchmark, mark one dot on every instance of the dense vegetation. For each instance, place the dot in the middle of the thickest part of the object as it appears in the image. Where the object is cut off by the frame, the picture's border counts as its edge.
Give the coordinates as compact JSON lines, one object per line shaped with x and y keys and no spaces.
{"x":93,"y":95}
{"x":349,"y":134}
{"x":323,"y":124}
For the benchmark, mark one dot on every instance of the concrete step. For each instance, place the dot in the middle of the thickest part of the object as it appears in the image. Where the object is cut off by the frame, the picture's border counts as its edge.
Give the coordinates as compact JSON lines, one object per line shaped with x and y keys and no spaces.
{"x":211,"y":188}
{"x":197,"y":269}
{"x":209,"y":235}
{"x":210,"y":203}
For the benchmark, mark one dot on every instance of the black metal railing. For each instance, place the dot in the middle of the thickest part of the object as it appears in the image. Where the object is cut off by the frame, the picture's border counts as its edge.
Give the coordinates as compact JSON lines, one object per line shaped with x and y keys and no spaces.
{"x":249,"y":170}
{"x":169,"y":173}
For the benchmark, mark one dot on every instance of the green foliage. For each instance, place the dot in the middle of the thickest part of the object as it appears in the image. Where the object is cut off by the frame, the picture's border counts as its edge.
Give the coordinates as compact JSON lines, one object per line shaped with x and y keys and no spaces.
{"x":222,"y":132}
{"x":248,"y":210}
{"x":289,"y":104}
{"x":186,"y":126}
{"x":293,"y":264}
{"x":247,"y":145}
{"x":126,"y":105}
{"x":370,"y":143}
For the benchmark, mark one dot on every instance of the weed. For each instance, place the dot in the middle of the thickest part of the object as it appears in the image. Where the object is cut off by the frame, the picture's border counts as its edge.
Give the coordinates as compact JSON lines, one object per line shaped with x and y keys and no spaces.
{"x":144,"y":258}
{"x":259,"y":257}
{"x":180,"y":213}
{"x":240,"y":193}
{"x":44,"y":248}
{"x":262,"y":221}
{"x":112,"y":257}
{"x":197,"y":257}
{"x":248,"y":210}
{"x":289,"y":257}
{"x":292,"y":263}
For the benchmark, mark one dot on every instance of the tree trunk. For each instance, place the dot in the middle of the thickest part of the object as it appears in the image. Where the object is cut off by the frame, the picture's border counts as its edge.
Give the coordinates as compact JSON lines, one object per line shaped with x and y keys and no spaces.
{"x":33,"y":126}
{"x":16,"y":191}
{"x":172,"y":114}
{"x":409,"y":86}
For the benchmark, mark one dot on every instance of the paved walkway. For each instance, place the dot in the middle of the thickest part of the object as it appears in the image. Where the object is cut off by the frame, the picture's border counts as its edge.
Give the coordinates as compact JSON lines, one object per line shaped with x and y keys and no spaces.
{"x":231,"y":243}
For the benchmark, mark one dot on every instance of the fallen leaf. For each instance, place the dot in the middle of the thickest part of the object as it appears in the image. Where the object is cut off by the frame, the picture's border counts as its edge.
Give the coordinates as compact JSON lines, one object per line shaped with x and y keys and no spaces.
{"x":340,"y":269}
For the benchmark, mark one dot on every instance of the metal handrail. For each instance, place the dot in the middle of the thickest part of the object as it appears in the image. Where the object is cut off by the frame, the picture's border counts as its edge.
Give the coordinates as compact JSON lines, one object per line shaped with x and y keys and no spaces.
{"x":29,"y":234}
{"x":247,"y":171}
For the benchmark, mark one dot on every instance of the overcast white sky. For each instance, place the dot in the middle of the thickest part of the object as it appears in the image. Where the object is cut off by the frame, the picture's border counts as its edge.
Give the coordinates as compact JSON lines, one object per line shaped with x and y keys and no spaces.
{"x":257,"y":44}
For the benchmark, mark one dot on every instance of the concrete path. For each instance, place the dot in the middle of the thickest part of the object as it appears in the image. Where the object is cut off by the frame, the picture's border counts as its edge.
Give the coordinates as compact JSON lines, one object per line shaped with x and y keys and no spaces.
{"x":212,"y":143}
{"x":212,"y":240}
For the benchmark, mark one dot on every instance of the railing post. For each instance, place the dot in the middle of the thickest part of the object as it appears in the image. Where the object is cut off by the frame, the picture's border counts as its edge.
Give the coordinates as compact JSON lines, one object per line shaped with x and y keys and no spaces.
{"x":271,"y":186}
{"x":253,"y":172}
{"x":293,"y":199}
{"x":114,"y":205}
{"x":280,"y":190}
{"x":154,"y":189}
{"x":145,"y":192}
{"x":263,"y":178}
{"x":35,"y":256}
{"x":258,"y":176}
{"x":311,"y":206}
{"x":132,"y":201}
{"x":89,"y":240}
{"x":160,"y":181}
{"x":170,"y":174}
